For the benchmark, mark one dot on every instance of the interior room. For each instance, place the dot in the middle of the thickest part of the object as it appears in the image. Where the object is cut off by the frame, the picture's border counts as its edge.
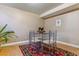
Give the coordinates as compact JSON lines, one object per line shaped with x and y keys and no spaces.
{"x":39,"y":29}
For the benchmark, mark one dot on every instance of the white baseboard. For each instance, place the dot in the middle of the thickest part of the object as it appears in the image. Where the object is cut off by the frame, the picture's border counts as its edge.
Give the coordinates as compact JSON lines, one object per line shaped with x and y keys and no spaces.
{"x":26,"y":42}
{"x":73,"y":45}
{"x":14,"y":43}
{"x":68,"y":44}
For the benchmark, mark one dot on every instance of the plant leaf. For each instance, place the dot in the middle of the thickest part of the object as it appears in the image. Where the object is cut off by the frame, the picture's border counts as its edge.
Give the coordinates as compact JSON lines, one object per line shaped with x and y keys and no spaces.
{"x":5,"y":39}
{"x":6,"y":33}
{"x":3,"y":28}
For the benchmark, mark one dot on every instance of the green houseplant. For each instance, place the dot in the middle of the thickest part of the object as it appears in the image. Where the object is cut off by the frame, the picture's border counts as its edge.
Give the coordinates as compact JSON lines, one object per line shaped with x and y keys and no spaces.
{"x":5,"y":35}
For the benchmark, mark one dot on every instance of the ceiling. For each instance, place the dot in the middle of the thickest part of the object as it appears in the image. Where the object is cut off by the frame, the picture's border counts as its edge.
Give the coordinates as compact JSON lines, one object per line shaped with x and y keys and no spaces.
{"x":60,"y":10}
{"x":37,"y":8}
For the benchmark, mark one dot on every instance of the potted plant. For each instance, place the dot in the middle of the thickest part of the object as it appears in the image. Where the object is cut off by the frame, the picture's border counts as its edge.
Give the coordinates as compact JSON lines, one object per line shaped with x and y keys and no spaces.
{"x":41,"y":30}
{"x":5,"y":35}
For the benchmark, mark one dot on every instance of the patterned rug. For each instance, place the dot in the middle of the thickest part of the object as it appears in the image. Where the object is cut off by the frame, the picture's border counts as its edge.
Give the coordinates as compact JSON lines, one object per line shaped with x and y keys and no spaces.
{"x":29,"y":50}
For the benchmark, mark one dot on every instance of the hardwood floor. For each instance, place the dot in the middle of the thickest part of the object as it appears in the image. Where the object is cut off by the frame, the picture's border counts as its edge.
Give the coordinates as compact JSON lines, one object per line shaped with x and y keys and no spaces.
{"x":10,"y":51}
{"x":69,"y":48}
{"x":15,"y":51}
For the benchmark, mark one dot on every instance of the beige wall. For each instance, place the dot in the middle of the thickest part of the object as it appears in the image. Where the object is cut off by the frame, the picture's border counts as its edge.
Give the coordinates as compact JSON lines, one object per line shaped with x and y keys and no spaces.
{"x":22,"y":22}
{"x":19,"y":21}
{"x":69,"y":30}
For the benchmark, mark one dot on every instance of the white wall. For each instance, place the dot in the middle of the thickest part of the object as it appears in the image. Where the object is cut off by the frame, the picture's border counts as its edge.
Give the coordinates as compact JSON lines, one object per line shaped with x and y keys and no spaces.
{"x":69,"y":30}
{"x":19,"y":21}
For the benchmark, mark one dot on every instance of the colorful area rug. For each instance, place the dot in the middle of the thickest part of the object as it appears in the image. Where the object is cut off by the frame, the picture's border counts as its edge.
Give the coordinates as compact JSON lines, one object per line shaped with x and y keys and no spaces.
{"x":29,"y":50}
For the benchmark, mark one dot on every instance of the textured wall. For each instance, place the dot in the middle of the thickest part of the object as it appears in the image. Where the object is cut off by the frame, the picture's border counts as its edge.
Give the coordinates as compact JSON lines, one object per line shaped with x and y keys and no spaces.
{"x":19,"y":21}
{"x":69,"y":30}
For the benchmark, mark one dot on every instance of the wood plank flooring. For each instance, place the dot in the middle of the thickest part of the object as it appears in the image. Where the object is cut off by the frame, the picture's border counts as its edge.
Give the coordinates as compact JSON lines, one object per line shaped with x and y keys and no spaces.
{"x":15,"y":51}
{"x":69,"y":48}
{"x":10,"y":51}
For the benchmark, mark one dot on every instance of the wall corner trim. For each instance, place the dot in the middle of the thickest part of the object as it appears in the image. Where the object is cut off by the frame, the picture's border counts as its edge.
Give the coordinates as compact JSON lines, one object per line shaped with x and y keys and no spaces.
{"x":15,"y":43}
{"x":26,"y":42}
{"x":68,"y":44}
